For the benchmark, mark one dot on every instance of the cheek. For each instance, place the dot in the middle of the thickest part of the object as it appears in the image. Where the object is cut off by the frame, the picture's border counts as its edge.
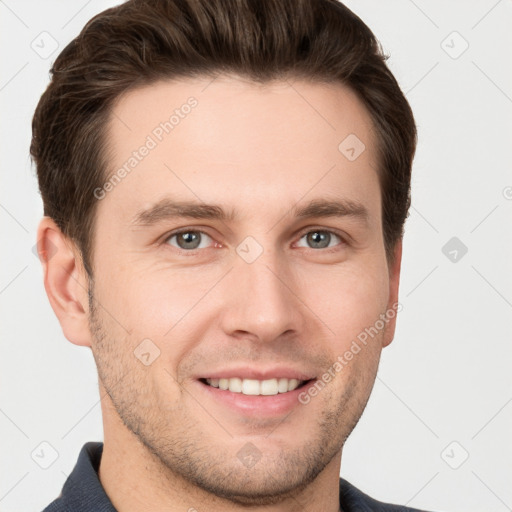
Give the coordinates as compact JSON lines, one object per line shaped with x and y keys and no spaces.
{"x":154,"y":300}
{"x":150,"y":301}
{"x":347,"y":299}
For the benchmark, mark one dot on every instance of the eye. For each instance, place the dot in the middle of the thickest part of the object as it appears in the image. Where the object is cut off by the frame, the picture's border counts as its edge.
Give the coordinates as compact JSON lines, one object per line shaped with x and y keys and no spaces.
{"x":188,"y":239}
{"x":320,"y":238}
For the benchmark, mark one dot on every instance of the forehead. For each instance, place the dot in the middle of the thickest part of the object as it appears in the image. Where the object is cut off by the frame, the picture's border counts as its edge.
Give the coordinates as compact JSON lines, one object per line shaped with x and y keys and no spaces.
{"x":235,"y":142}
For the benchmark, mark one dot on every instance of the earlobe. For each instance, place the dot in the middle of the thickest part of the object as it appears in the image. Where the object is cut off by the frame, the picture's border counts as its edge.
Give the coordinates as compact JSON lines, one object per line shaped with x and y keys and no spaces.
{"x":393,"y":304}
{"x":65,"y":281}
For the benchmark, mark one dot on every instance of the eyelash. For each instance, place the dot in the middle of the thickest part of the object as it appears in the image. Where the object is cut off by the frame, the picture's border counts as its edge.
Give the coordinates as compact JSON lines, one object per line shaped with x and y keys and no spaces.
{"x":193,"y":252}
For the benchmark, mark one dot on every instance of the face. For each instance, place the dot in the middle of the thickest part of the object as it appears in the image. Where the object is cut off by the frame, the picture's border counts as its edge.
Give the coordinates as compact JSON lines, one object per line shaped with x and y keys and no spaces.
{"x":274,"y":282}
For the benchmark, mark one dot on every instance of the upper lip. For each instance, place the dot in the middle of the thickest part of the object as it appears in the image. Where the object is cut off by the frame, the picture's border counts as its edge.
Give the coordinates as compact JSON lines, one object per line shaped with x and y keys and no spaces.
{"x":250,"y":372}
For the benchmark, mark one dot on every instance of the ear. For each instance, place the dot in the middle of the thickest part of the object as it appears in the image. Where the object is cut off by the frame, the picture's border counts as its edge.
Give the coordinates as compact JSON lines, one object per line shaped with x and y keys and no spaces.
{"x":393,"y":306}
{"x":65,"y":281}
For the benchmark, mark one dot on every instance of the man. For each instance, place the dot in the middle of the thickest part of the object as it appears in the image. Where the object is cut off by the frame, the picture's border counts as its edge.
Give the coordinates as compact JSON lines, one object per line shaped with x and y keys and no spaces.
{"x":225,"y":185}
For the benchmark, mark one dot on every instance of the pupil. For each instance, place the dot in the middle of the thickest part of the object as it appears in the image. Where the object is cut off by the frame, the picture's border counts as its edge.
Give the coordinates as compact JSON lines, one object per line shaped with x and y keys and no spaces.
{"x":317,"y":237}
{"x":189,"y":237}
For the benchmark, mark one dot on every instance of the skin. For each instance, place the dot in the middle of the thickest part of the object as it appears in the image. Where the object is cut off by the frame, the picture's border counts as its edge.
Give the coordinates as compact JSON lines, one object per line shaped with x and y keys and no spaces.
{"x":259,"y":150}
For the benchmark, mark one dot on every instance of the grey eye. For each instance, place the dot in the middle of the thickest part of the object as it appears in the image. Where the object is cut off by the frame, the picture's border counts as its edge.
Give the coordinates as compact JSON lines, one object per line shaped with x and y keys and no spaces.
{"x":319,"y":239}
{"x":188,"y":240}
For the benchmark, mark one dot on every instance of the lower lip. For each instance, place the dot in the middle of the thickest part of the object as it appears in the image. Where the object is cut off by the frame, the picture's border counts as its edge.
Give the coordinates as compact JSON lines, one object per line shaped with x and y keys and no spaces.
{"x":256,"y":405}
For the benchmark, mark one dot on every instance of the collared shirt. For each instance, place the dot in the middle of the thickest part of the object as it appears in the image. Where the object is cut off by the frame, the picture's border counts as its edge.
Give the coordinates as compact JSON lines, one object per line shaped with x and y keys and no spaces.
{"x":83,"y":492}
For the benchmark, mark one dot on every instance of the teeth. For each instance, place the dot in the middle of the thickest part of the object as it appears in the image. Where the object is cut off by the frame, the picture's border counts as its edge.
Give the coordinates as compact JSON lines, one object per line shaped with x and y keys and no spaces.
{"x":282,"y":385}
{"x":256,"y":387}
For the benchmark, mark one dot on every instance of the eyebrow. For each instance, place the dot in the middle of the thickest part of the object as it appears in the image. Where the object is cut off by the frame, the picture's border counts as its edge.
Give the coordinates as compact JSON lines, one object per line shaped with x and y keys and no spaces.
{"x":168,"y":208}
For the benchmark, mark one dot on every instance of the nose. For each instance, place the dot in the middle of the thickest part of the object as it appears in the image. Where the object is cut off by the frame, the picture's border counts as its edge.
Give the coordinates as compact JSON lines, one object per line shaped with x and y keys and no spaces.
{"x":261,"y":300}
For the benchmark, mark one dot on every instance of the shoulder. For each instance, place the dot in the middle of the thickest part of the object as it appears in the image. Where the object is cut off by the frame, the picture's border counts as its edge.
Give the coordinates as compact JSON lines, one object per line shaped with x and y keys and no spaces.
{"x":82,"y":491}
{"x":354,"y":500}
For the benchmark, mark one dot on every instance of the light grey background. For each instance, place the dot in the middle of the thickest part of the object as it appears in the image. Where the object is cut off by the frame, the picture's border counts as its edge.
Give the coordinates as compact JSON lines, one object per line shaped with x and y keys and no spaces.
{"x":444,"y":388}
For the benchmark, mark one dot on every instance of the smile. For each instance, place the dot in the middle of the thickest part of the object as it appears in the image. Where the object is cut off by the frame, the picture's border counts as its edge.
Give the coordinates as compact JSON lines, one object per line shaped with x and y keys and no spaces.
{"x":254,"y":386}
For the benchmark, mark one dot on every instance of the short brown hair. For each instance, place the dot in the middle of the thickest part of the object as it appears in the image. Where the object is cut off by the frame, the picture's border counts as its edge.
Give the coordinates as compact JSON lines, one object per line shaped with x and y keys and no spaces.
{"x":142,"y":41}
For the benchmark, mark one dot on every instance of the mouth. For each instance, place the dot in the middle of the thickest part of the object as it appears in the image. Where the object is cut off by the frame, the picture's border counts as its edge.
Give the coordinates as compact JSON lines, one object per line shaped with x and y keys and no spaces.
{"x":253,"y":398}
{"x":255,"y":387}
